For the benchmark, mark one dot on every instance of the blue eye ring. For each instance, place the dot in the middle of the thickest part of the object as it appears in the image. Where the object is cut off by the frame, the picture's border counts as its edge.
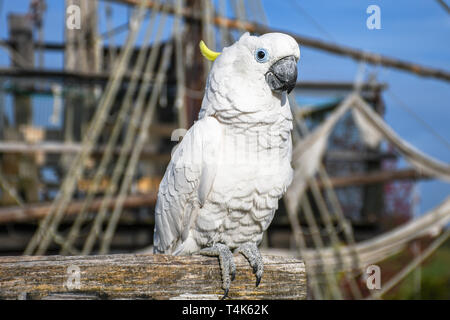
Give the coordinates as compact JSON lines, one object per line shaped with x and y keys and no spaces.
{"x":261,"y":55}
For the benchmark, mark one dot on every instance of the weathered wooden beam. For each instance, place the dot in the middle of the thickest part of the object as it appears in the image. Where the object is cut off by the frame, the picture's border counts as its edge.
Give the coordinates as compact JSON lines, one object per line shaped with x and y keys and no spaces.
{"x":141,"y":276}
{"x":375,"y":178}
{"x":70,"y":147}
{"x":37,"y":211}
{"x":74,"y":76}
{"x":60,"y":46}
{"x":129,"y":237}
{"x":339,"y":85}
{"x":53,"y":46}
{"x":350,"y":155}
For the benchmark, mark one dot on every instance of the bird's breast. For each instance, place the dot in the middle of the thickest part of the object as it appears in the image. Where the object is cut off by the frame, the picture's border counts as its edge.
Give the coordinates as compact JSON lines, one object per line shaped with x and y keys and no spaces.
{"x":252,"y":164}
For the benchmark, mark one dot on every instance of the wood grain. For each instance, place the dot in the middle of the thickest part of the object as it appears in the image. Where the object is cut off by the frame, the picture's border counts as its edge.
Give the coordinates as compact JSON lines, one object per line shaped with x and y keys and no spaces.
{"x":142,"y":276}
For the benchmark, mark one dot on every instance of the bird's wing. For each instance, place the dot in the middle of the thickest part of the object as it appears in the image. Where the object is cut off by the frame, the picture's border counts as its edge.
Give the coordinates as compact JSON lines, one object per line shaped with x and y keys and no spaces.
{"x":186,"y":183}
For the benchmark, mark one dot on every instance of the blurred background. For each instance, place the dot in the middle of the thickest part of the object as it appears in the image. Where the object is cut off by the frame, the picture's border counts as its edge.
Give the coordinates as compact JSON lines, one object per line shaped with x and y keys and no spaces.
{"x":94,"y":95}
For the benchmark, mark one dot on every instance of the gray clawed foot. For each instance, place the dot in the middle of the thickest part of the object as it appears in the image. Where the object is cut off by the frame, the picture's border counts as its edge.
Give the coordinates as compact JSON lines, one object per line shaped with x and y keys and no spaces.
{"x":227,"y":265}
{"x":250,"y":251}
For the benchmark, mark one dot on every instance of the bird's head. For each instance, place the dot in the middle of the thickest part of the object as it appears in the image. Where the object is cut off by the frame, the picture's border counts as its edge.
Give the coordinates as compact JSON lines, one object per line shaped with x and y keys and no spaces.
{"x":251,"y":73}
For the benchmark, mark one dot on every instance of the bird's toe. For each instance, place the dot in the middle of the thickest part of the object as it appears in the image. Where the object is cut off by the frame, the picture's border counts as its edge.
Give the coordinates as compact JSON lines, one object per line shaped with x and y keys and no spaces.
{"x":251,"y":253}
{"x":226,"y":261}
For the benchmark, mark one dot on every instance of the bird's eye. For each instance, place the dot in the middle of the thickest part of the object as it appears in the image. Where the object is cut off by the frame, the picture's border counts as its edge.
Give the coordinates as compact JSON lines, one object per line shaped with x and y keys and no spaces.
{"x":261,"y":55}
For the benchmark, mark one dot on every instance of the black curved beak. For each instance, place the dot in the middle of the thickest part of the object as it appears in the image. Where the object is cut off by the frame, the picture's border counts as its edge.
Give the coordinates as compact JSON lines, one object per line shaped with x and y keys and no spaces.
{"x":282,"y":75}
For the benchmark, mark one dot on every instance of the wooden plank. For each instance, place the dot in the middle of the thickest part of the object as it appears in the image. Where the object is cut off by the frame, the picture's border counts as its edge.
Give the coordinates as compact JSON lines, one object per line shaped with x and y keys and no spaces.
{"x":37,"y":211}
{"x":350,"y":155}
{"x":126,"y":239}
{"x":339,"y":85}
{"x":375,"y":178}
{"x":71,"y":147}
{"x":69,"y":76}
{"x":141,"y":276}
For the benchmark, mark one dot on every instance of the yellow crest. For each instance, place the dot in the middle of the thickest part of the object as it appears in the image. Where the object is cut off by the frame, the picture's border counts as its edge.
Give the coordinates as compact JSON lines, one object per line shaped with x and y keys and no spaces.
{"x":208,"y":53}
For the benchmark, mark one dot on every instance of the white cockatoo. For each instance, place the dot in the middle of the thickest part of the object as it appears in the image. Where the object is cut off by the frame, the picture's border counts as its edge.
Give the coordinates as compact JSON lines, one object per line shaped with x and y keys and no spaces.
{"x":222,"y":185}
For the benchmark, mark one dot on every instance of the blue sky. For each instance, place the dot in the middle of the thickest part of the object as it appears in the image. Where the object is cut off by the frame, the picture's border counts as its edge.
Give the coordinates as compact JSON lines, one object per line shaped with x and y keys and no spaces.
{"x":417,"y":31}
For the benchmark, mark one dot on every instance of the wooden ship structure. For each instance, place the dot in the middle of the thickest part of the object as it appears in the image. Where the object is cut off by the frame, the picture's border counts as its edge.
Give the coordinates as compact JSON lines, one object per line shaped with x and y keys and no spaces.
{"x":83,"y":148}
